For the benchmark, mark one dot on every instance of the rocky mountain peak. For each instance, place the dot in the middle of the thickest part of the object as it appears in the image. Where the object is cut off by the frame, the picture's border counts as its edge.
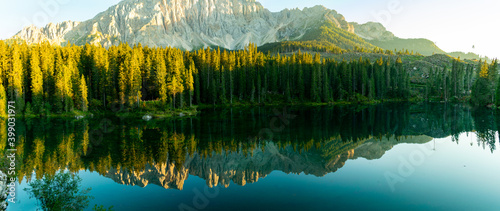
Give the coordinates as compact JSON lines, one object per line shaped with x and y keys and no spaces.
{"x":187,"y":24}
{"x":372,"y":31}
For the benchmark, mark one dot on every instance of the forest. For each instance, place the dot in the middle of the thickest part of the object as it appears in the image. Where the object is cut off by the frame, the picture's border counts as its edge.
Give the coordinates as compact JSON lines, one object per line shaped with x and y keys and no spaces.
{"x":44,"y":79}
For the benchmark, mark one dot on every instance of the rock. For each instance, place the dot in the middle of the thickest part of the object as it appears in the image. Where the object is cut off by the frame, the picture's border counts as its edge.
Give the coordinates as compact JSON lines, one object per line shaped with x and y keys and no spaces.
{"x":187,"y":24}
{"x":147,"y":117}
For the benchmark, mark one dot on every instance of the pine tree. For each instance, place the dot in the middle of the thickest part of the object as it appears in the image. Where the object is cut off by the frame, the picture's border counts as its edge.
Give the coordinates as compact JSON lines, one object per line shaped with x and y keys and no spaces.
{"x":81,"y":94}
{"x":135,"y":78}
{"x":3,"y":101}
{"x":326,"y":86}
{"x":300,"y":81}
{"x":498,"y":93}
{"x":61,"y":86}
{"x":122,"y":86}
{"x":4,"y":62}
{"x":222,"y":85}
{"x":161,"y":78}
{"x":481,"y":89}
{"x":232,"y":61}
{"x":315,"y":79}
{"x":36,"y":81}
{"x":190,"y":81}
{"x":16,"y":79}
{"x":174,"y":81}
{"x":287,"y":92}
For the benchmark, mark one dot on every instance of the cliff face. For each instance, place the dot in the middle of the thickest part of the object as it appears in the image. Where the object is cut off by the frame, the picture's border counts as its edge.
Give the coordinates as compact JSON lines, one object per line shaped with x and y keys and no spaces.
{"x":221,"y":169}
{"x":372,"y":31}
{"x":187,"y":24}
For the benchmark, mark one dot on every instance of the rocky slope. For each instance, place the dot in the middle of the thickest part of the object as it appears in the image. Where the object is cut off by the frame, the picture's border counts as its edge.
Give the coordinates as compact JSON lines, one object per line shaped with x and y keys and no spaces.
{"x":187,"y":24}
{"x":372,"y":31}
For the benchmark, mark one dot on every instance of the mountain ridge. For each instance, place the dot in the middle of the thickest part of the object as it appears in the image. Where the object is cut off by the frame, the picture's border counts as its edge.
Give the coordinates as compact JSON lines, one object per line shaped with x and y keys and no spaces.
{"x":229,"y":24}
{"x":187,"y":24}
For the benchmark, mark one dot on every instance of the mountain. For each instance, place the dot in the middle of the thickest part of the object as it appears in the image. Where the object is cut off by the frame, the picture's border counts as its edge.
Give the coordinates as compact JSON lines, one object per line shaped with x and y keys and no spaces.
{"x":193,"y":24}
{"x":470,"y":55}
{"x":377,"y":34}
{"x":373,"y":31}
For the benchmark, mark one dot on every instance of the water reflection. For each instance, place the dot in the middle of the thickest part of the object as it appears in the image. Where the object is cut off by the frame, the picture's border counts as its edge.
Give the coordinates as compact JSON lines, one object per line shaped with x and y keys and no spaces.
{"x":223,"y":146}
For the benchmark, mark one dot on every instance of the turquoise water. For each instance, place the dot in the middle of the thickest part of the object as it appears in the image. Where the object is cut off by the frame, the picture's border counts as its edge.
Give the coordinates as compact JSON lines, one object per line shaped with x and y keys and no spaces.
{"x":387,"y":157}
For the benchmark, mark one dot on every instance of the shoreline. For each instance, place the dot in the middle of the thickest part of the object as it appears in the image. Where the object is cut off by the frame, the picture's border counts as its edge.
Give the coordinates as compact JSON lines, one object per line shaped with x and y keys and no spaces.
{"x":195,"y":110}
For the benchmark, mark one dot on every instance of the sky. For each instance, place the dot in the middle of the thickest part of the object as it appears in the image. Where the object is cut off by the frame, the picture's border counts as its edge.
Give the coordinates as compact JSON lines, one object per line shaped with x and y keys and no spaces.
{"x":454,"y":25}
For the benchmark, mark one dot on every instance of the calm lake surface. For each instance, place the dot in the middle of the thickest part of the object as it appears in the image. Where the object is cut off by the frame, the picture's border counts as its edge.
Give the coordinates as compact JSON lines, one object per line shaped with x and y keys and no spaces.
{"x":384,"y":157}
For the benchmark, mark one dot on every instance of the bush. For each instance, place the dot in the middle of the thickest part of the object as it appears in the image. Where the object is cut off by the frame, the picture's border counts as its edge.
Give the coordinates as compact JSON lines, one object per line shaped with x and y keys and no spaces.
{"x":60,"y":192}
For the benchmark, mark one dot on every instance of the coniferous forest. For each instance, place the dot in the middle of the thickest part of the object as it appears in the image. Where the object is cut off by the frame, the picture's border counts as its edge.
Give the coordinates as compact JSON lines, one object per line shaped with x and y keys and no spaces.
{"x":44,"y":79}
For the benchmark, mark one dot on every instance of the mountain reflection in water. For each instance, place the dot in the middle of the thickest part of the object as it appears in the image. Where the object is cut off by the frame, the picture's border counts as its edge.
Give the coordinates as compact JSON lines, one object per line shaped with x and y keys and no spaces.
{"x":223,"y":145}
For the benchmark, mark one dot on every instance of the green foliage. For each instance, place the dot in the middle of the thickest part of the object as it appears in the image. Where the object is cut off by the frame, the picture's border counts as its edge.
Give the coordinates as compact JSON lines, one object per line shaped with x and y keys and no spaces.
{"x":330,"y":33}
{"x":36,"y":81}
{"x":3,"y":101}
{"x":15,"y":78}
{"x":102,"y":208}
{"x":28,"y":110}
{"x":422,"y":46}
{"x":485,"y":88}
{"x":82,"y":95}
{"x":60,"y":192}
{"x":62,"y":79}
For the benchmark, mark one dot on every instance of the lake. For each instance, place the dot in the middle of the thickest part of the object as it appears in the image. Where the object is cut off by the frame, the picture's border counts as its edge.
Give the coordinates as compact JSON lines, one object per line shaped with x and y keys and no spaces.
{"x":383,"y":157}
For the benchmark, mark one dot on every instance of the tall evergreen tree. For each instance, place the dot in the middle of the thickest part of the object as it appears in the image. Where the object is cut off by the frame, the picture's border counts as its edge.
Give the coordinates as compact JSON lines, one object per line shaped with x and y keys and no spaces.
{"x":16,"y":79}
{"x":36,"y":82}
{"x":481,"y":89}
{"x":81,"y":100}
{"x":3,"y":101}
{"x":190,"y":81}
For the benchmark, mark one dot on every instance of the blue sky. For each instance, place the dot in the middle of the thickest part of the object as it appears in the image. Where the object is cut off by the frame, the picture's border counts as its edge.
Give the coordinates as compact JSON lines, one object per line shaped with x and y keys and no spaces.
{"x":455,"y":25}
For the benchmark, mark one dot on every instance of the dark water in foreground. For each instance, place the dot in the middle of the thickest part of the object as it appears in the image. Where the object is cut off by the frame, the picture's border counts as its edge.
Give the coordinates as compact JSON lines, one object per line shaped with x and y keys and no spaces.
{"x":386,"y":157}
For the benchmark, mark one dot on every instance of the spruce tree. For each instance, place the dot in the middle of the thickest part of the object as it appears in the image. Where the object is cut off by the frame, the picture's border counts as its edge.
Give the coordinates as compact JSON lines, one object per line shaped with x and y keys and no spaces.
{"x":3,"y":101}
{"x":190,"y":81}
{"x":161,"y":78}
{"x":481,"y":89}
{"x":16,"y":79}
{"x":36,"y":81}
{"x":81,"y":96}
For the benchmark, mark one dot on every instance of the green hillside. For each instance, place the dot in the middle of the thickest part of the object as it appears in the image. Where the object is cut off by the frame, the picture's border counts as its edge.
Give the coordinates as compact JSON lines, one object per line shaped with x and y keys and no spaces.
{"x":325,"y":38}
{"x":422,"y":46}
{"x":470,"y":55}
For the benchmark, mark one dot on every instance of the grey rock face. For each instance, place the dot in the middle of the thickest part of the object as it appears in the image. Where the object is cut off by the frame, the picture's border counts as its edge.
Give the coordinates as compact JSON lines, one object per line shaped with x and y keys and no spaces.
{"x":187,"y":24}
{"x":372,"y":31}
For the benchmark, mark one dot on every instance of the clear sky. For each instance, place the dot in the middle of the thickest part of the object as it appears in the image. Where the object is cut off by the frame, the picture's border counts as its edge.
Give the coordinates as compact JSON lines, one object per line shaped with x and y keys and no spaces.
{"x":455,"y":25}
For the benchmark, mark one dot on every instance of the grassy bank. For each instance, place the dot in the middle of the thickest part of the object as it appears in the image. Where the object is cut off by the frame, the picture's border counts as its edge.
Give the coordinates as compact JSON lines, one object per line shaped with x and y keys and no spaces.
{"x":151,"y":111}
